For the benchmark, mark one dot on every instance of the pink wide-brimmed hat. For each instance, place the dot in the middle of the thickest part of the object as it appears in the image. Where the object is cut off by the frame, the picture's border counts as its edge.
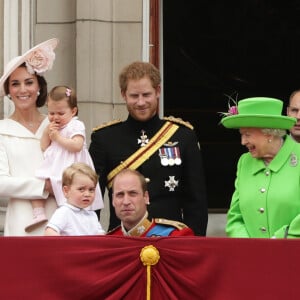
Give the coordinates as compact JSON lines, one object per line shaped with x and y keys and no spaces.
{"x":38,"y":59}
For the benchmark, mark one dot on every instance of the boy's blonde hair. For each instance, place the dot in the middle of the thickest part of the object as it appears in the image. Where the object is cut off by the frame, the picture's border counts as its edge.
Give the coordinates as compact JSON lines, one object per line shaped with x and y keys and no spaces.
{"x":78,"y":168}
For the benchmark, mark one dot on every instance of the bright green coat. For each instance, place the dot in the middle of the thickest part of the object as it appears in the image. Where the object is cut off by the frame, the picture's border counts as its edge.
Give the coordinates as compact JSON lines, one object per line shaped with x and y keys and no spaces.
{"x":266,"y":201}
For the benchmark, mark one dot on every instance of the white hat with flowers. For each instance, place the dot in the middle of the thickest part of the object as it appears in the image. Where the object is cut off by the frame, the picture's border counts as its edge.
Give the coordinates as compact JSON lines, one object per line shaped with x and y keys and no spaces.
{"x":38,"y":59}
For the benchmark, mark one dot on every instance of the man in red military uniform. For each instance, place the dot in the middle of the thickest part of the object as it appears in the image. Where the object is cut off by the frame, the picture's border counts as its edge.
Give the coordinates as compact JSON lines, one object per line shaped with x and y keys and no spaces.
{"x":130,"y":199}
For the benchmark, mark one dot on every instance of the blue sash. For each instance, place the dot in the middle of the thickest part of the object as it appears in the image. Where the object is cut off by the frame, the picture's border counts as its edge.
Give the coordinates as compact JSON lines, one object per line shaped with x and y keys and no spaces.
{"x":160,"y":230}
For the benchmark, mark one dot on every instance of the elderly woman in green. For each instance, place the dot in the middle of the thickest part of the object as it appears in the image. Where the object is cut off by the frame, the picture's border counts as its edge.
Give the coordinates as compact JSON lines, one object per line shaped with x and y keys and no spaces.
{"x":266,"y":200}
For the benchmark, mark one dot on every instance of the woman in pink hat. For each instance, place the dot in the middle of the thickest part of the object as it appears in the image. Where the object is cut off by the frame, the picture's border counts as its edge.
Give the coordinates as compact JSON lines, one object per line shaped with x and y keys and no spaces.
{"x":266,"y":200}
{"x":20,"y":133}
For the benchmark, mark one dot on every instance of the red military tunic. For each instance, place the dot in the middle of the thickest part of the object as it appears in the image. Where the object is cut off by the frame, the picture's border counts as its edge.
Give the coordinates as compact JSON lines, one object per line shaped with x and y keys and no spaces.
{"x":155,"y":228}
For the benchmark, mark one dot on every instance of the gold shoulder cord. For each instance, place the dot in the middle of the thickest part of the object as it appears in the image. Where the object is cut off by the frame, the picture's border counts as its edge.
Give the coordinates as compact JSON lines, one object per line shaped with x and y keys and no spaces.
{"x":176,"y":224}
{"x":179,"y":121}
{"x":138,"y":158}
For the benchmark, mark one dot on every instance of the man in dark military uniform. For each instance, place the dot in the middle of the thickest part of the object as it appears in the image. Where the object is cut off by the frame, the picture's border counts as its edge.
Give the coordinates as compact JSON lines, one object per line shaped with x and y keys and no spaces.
{"x":130,"y":200}
{"x":165,"y":151}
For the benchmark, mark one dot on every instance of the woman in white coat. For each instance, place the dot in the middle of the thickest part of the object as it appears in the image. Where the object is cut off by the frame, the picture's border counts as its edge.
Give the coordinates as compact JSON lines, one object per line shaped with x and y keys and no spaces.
{"x":20,"y":133}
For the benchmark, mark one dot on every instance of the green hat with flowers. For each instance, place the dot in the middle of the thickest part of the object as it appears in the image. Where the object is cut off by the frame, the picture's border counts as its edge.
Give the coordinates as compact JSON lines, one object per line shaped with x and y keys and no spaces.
{"x":258,"y":112}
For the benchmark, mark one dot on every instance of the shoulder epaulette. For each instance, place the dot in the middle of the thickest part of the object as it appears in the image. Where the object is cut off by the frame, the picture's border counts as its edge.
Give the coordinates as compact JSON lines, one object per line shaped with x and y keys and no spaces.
{"x":106,"y":124}
{"x":179,"y":121}
{"x":176,"y":224}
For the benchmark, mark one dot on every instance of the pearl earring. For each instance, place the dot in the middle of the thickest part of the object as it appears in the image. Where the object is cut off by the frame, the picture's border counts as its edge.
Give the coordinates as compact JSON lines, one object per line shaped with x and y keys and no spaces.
{"x":270,"y":141}
{"x":38,"y":93}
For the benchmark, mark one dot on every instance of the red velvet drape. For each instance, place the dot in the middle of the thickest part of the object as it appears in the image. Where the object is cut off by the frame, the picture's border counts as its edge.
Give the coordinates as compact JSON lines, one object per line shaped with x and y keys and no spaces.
{"x":109,"y":267}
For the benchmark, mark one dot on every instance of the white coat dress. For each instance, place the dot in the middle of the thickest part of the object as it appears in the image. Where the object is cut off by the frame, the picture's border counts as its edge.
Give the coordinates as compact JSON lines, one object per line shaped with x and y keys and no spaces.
{"x":20,"y":156}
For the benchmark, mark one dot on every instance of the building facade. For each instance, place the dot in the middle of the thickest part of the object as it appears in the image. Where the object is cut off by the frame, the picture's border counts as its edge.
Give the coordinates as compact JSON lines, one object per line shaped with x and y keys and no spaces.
{"x":97,"y":38}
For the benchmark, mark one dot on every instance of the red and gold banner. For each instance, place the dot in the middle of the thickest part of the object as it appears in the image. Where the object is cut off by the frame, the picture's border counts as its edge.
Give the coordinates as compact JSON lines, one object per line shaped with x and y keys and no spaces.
{"x":113,"y":267}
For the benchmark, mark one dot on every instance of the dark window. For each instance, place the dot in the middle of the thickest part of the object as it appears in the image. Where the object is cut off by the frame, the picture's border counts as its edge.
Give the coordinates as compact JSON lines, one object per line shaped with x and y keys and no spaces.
{"x":213,"y":49}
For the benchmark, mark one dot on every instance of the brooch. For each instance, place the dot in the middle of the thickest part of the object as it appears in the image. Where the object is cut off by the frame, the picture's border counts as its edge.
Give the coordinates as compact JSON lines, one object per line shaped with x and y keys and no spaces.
{"x":293,"y":160}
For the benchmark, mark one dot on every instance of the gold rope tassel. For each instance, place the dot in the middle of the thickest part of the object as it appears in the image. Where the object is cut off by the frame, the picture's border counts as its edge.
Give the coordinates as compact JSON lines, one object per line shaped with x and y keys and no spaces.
{"x":149,"y":256}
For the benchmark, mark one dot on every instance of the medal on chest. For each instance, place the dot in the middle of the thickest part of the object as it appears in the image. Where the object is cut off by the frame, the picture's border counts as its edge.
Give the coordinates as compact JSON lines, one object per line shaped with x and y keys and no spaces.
{"x":172,"y":183}
{"x":143,"y":139}
{"x":170,"y":154}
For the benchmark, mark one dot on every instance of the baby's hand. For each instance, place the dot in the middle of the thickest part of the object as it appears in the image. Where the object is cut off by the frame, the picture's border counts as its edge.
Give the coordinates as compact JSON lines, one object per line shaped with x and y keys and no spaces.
{"x":53,"y":131}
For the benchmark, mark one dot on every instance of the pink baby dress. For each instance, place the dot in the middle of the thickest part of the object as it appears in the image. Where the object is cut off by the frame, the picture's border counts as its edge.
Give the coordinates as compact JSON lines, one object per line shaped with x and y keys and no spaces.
{"x":57,"y":159}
